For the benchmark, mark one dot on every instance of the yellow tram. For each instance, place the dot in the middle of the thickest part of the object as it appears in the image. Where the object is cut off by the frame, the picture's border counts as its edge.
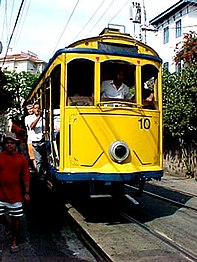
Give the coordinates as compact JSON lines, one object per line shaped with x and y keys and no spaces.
{"x":103,"y":142}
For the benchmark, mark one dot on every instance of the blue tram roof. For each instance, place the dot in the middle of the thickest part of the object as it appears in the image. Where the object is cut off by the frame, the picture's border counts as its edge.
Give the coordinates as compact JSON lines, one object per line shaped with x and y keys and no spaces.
{"x":109,"y":52}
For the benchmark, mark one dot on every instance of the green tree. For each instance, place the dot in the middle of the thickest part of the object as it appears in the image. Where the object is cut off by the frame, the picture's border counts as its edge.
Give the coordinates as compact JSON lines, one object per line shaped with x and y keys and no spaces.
{"x":180,"y":98}
{"x":179,"y":103}
{"x":16,"y":88}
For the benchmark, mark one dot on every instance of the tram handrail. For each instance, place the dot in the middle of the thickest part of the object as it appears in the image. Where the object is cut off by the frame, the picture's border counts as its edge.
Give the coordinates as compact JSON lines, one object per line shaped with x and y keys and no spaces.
{"x":118,"y":101}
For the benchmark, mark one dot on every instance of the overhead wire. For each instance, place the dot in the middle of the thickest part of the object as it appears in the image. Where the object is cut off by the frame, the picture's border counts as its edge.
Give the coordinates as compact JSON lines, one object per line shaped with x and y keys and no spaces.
{"x":66,"y":25}
{"x":17,"y":18}
{"x":119,"y":11}
{"x":5,"y":21}
{"x":18,"y":33}
{"x":89,"y":19}
{"x":100,"y":17}
{"x":12,"y":8}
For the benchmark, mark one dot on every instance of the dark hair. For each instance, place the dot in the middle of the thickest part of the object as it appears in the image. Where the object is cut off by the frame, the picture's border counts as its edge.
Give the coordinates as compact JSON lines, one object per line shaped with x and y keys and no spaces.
{"x":36,"y":103}
{"x":146,"y":93}
{"x":118,"y":70}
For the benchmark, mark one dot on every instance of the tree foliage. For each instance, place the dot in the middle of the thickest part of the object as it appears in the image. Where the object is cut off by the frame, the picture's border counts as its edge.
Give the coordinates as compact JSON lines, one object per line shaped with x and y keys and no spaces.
{"x":180,"y":100}
{"x":14,"y":91}
{"x":179,"y":103}
{"x":186,"y":51}
{"x":180,"y":91}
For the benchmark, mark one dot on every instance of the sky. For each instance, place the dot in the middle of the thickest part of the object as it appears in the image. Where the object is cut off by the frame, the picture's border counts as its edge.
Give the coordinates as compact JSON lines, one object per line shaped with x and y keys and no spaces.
{"x":44,"y":26}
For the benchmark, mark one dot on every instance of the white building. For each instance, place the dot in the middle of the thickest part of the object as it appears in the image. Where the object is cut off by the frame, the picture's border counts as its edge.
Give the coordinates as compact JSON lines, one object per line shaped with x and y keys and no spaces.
{"x":28,"y":62}
{"x":171,"y":26}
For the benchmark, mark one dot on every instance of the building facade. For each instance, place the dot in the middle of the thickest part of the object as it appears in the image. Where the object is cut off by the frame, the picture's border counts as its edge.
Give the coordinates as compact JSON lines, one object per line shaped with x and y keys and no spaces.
{"x":28,"y":62}
{"x":171,"y":26}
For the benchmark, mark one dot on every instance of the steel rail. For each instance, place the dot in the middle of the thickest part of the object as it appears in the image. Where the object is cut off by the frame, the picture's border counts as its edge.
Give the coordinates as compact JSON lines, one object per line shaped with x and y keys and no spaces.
{"x":189,"y":255}
{"x":99,"y":254}
{"x":174,"y":190}
{"x":165,"y":199}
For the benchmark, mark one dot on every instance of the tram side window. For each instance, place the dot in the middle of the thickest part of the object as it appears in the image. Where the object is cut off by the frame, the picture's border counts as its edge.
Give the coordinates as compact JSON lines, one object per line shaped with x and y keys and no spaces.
{"x":80,"y":82}
{"x":55,"y":98}
{"x":149,"y":75}
{"x":119,"y":74}
{"x":45,"y":107}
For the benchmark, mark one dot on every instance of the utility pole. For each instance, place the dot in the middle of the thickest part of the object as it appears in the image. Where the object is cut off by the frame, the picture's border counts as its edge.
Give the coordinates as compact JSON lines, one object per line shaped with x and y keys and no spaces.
{"x":137,"y":14}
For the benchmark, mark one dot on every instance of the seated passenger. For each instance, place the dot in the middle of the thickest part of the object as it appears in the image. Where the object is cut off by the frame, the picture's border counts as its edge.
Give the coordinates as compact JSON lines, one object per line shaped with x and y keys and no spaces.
{"x":115,"y":88}
{"x":148,"y":99}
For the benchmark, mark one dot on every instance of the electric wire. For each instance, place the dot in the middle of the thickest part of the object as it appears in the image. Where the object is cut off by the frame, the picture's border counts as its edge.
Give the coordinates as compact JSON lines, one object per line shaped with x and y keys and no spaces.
{"x":12,"y":8}
{"x":89,"y":20}
{"x":18,"y":34}
{"x":17,"y":18}
{"x":66,"y":25}
{"x":5,"y":20}
{"x":100,"y":18}
{"x":19,"y":23}
{"x":119,"y":11}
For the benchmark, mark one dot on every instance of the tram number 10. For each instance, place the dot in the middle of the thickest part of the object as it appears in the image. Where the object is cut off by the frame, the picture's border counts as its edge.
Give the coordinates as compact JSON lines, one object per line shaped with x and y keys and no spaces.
{"x":144,"y":123}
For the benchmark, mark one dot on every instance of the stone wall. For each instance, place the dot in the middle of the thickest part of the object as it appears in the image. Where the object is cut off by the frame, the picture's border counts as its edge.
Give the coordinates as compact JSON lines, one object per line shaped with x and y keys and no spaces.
{"x":181,"y":162}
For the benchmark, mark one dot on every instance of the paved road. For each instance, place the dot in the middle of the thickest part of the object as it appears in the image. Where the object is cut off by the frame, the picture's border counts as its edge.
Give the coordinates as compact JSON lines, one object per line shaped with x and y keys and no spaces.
{"x":45,"y":234}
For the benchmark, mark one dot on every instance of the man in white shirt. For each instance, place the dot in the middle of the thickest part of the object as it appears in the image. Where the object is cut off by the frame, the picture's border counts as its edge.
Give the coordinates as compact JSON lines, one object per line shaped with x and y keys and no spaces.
{"x":28,"y":119}
{"x":35,"y":122}
{"x":115,"y":88}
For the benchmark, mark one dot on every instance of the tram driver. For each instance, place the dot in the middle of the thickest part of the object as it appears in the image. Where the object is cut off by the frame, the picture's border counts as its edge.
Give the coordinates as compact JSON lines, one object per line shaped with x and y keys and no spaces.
{"x":115,"y":88}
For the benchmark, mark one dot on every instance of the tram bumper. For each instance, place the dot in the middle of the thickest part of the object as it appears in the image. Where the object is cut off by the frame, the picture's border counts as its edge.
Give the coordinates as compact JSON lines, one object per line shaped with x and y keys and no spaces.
{"x":108,"y":177}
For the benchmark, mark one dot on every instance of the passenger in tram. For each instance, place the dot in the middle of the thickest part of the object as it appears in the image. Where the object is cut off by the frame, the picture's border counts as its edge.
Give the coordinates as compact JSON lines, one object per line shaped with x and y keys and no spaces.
{"x":148,"y":99}
{"x":29,"y":138}
{"x":115,"y":88}
{"x":35,"y":122}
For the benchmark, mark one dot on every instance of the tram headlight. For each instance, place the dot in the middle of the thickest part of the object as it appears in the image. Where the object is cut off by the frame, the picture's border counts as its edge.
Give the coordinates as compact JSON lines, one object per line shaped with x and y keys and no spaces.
{"x":119,"y":151}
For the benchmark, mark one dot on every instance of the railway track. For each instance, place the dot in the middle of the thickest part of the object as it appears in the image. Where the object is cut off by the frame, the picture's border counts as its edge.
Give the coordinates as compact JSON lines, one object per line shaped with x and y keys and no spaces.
{"x":129,"y":229}
{"x":97,"y":251}
{"x":188,"y":254}
{"x":175,"y":190}
{"x":166,"y":199}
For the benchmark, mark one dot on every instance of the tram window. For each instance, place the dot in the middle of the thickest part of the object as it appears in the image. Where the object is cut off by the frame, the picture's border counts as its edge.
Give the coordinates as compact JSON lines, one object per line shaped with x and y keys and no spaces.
{"x":80,"y":82}
{"x":55,"y":87}
{"x":55,"y":99}
{"x":149,"y":79}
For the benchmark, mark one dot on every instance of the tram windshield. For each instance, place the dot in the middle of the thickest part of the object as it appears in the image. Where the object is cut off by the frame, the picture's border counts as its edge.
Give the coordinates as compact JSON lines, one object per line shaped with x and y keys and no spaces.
{"x":118,"y":82}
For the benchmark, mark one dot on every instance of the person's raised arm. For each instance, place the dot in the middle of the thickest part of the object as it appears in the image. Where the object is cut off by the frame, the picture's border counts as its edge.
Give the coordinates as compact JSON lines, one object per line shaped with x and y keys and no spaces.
{"x":35,"y":122}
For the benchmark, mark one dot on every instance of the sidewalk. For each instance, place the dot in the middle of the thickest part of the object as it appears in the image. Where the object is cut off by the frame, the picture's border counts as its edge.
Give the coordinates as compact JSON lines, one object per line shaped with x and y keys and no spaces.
{"x":178,"y":182}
